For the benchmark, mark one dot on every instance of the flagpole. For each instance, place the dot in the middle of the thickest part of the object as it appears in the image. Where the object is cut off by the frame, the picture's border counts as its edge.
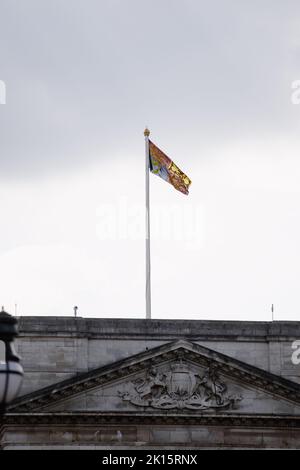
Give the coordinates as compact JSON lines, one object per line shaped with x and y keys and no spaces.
{"x":148,"y":265}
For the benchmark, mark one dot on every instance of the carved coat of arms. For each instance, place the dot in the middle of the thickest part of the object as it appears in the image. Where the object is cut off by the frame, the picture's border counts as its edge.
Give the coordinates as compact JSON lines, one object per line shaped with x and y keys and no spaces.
{"x":181,"y":388}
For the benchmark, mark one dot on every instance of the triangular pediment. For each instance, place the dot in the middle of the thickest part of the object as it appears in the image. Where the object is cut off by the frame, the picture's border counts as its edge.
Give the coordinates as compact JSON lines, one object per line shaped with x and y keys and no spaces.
{"x":179,"y":377}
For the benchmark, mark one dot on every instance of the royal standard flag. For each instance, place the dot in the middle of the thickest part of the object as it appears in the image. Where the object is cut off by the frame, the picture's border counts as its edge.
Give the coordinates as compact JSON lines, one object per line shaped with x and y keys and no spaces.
{"x":163,"y":166}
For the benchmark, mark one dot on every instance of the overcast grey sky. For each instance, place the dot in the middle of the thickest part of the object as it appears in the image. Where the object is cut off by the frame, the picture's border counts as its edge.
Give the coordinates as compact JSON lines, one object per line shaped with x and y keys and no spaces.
{"x":212,"y":80}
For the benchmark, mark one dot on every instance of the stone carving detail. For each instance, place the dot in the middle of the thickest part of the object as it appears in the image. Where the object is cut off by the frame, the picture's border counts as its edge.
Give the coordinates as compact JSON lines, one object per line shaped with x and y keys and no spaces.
{"x":181,"y":388}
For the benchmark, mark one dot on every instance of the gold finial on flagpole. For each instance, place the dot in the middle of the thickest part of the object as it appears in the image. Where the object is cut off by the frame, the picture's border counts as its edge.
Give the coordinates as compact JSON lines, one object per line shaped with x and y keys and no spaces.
{"x":146,"y":132}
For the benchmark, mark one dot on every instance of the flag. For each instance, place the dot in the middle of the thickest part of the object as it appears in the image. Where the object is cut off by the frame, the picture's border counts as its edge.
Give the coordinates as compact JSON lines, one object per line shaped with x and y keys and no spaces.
{"x":162,"y":166}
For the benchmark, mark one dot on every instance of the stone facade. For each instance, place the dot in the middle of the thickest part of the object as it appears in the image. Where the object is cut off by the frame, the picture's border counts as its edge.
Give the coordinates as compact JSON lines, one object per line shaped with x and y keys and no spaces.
{"x":111,"y":383}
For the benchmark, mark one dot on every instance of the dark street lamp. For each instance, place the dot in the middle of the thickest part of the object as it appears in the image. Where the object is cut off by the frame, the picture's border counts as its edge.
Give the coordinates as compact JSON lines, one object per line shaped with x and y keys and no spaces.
{"x":11,"y":371}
